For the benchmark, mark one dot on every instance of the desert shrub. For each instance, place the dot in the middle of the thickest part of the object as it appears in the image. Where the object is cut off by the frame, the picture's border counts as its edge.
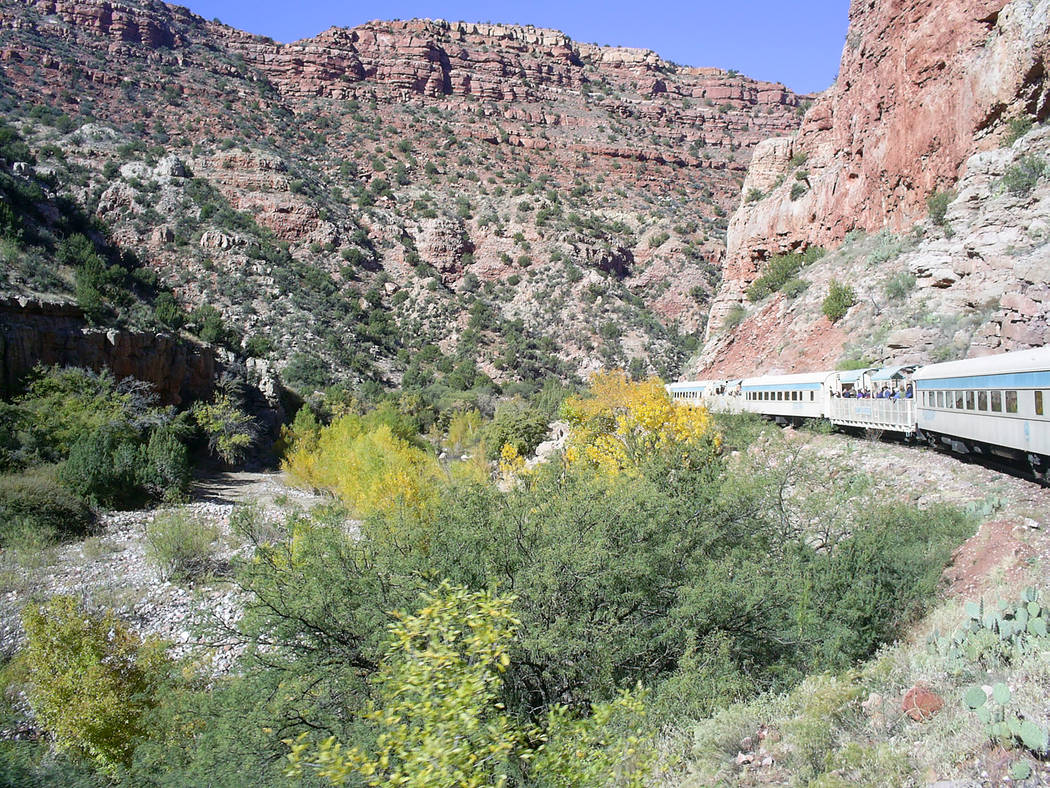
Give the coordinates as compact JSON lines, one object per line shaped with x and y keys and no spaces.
{"x":230,"y":431}
{"x":1022,"y":178}
{"x":937,"y":204}
{"x":853,"y":363}
{"x":753,"y":195}
{"x":90,"y":680}
{"x":734,"y":317}
{"x":798,"y":188}
{"x":659,"y":239}
{"x":1017,"y":128}
{"x":838,"y":301}
{"x":306,"y":372}
{"x":794,"y":287}
{"x":35,"y":502}
{"x":168,"y":311}
{"x":522,"y":428}
{"x":104,"y":467}
{"x":781,"y":269}
{"x":887,"y":247}
{"x":181,"y":545}
{"x":166,"y":474}
{"x":899,"y":285}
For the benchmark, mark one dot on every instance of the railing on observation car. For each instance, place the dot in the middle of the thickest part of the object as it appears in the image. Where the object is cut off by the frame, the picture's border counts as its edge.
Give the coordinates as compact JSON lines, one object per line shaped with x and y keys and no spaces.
{"x":880,"y":414}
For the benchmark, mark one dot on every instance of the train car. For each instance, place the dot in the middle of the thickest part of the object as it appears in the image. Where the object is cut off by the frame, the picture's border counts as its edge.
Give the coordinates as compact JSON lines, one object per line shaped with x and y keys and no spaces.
{"x":991,"y":405}
{"x":691,"y":392}
{"x":894,"y":413}
{"x":785,"y":397}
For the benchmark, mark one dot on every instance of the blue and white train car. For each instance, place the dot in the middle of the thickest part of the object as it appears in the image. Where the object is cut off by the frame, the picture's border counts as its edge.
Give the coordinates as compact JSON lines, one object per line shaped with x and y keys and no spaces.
{"x":995,"y":404}
{"x":690,"y":392}
{"x":785,"y":396}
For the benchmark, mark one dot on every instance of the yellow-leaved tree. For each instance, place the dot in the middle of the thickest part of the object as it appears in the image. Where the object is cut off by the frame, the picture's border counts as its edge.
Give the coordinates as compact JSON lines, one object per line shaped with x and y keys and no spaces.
{"x":619,"y":424}
{"x":369,"y":467}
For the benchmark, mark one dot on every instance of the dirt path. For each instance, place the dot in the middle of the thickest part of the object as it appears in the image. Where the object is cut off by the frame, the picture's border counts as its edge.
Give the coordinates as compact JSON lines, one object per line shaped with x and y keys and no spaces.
{"x":272,"y":489}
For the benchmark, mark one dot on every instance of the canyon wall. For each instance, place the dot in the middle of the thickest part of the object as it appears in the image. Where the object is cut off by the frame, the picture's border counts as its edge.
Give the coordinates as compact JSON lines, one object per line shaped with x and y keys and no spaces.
{"x":922,"y":86}
{"x":44,"y":332}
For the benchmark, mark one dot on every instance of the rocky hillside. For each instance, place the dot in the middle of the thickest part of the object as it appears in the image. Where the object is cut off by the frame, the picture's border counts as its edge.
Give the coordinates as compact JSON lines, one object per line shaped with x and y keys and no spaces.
{"x":928,"y":102}
{"x":405,"y":201}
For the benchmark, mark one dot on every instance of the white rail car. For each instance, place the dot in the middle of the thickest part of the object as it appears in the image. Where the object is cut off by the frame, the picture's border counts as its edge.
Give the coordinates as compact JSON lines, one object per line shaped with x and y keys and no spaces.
{"x":992,"y":405}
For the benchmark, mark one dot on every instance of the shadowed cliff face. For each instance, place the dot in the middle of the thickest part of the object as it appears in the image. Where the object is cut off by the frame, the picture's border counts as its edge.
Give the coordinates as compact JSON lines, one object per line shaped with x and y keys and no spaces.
{"x":54,"y":333}
{"x":922,"y":87}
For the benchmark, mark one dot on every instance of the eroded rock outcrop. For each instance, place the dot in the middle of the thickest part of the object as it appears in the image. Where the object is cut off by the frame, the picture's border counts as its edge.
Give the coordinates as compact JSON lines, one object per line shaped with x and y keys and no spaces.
{"x":922,"y":86}
{"x":36,"y":332}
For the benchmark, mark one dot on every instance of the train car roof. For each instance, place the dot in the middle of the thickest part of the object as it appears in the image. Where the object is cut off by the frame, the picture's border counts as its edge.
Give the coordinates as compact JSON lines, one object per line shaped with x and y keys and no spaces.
{"x":1035,"y":360}
{"x":689,"y":385}
{"x":785,"y":380}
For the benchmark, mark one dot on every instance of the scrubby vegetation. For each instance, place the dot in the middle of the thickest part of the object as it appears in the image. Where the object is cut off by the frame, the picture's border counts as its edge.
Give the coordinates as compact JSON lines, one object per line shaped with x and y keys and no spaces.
{"x":780,"y":270}
{"x":526,"y":626}
{"x":839,"y":299}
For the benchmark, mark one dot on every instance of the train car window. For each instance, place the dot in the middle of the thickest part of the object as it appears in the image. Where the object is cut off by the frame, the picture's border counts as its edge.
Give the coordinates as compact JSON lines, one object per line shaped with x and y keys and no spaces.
{"x":982,"y":400}
{"x":811,"y":396}
{"x":997,"y":402}
{"x":960,"y":400}
{"x":938,"y":399}
{"x":969,"y":400}
{"x":1039,"y":403}
{"x":1011,"y":402}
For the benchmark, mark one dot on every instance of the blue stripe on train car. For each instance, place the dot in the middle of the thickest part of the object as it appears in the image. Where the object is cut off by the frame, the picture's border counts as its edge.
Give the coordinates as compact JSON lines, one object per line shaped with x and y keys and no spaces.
{"x":1013,"y":380}
{"x":785,"y":387}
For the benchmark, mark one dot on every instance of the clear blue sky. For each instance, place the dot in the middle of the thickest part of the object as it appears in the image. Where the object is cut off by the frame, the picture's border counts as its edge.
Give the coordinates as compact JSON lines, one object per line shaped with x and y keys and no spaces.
{"x":797,"y":43}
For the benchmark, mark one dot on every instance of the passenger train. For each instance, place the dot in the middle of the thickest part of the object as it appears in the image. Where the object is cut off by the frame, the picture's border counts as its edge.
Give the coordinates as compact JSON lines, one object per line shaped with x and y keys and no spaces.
{"x":994,"y":405}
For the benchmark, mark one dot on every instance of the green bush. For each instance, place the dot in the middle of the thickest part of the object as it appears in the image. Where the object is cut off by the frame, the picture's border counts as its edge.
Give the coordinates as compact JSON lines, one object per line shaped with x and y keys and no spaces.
{"x":779,"y":270}
{"x":937,"y":204}
{"x":520,"y":427}
{"x":181,"y":546}
{"x":166,"y":475}
{"x":838,"y":301}
{"x":1021,"y":179}
{"x":34,"y":504}
{"x":90,"y":680}
{"x":1017,"y":128}
{"x":104,"y":467}
{"x":230,"y":431}
{"x":899,"y":285}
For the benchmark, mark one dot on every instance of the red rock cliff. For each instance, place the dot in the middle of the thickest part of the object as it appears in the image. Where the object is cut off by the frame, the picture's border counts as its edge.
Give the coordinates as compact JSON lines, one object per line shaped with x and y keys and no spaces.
{"x":922,"y":86}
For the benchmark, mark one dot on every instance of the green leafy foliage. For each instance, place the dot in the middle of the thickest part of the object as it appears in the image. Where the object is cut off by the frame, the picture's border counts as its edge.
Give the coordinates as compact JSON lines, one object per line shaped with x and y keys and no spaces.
{"x":117,"y":447}
{"x":33,"y":505}
{"x":439,"y":720}
{"x":523,"y":428}
{"x":230,"y":431}
{"x":779,"y":270}
{"x":839,"y":299}
{"x":90,"y":680}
